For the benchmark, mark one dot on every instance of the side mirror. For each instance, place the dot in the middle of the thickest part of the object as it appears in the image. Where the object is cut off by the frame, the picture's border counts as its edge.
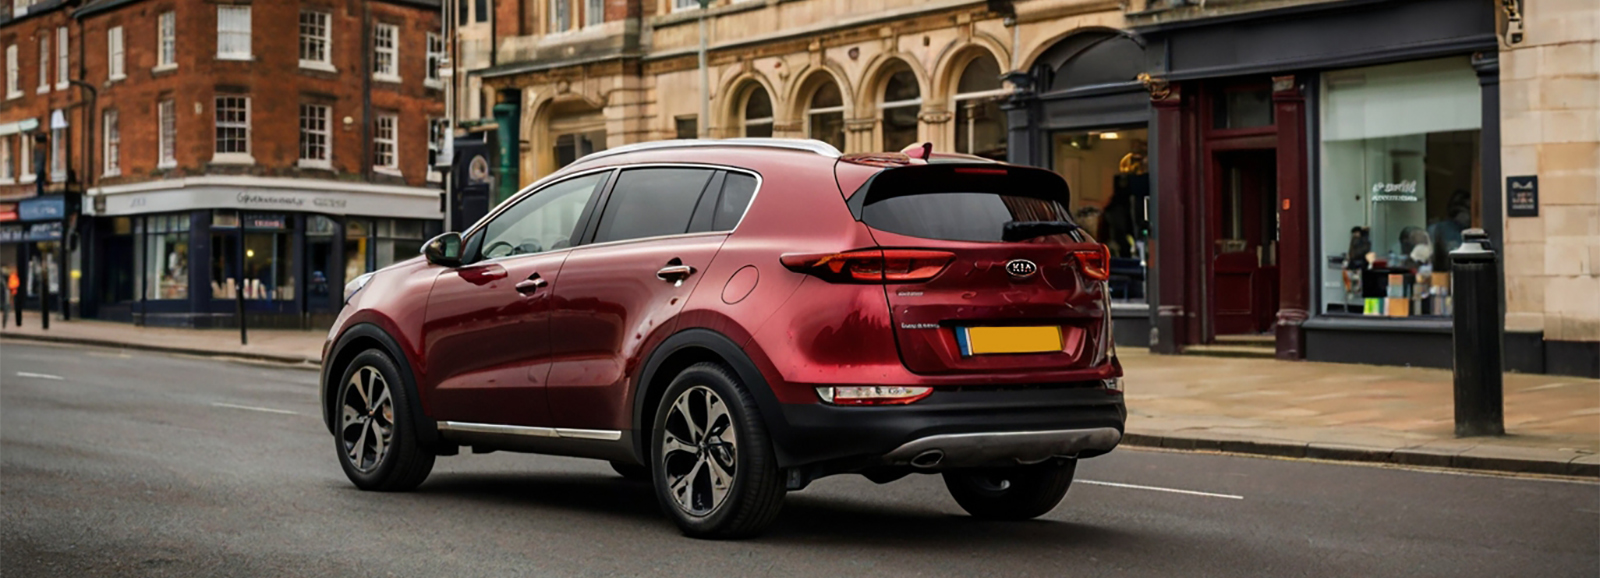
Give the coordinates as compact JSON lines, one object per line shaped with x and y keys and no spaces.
{"x":444,"y":250}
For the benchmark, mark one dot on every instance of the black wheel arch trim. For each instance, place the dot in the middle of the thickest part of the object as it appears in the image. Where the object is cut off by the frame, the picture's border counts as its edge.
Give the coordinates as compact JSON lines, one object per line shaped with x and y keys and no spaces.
{"x":719,"y":344}
{"x":427,"y":430}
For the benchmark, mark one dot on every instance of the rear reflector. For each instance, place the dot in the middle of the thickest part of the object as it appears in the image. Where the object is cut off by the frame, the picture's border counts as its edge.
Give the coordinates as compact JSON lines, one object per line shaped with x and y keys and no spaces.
{"x":871,"y":265}
{"x":873,"y":395}
{"x":1095,"y":263}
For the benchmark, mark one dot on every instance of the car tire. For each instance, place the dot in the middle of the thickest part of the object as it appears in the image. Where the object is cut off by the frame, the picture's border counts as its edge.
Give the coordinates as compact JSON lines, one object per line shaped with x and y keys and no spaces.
{"x":631,"y":472}
{"x":714,"y":485}
{"x":373,"y":415}
{"x":1013,"y":493}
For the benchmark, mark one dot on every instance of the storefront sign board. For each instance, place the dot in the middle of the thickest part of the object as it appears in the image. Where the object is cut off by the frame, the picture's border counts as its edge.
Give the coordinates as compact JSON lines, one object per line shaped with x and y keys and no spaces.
{"x":370,"y":204}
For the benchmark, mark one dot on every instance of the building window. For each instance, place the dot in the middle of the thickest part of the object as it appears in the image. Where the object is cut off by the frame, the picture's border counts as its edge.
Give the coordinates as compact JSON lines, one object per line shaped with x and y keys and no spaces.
{"x":902,"y":101}
{"x":44,"y":64}
{"x":113,"y":144}
{"x":438,"y":129}
{"x":1109,"y":178}
{"x":980,"y":124}
{"x":167,"y":117}
{"x":13,"y":74}
{"x":62,"y":44}
{"x":314,"y":40}
{"x":233,"y":129}
{"x":233,"y":32}
{"x":435,"y":60}
{"x":594,"y":12}
{"x":687,"y":127}
{"x":8,"y":168}
{"x":28,"y":171}
{"x":268,"y":266}
{"x":385,"y":149}
{"x":758,"y":113}
{"x":58,"y":154}
{"x":1400,"y":155}
{"x":166,"y":245}
{"x":685,"y":5}
{"x":480,"y":10}
{"x":386,"y":53}
{"x":560,"y":15}
{"x":314,"y":137}
{"x":114,"y":62}
{"x":825,"y":115}
{"x":573,"y":146}
{"x":167,"y":37}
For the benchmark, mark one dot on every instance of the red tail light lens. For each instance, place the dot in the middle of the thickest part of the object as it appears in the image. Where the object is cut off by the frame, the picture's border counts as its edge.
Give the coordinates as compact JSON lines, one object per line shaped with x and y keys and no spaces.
{"x":1095,"y":263}
{"x":871,"y":265}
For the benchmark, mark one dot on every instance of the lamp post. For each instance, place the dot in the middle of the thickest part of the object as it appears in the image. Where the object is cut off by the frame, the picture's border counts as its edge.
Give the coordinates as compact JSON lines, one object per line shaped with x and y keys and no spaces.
{"x":705,"y":76}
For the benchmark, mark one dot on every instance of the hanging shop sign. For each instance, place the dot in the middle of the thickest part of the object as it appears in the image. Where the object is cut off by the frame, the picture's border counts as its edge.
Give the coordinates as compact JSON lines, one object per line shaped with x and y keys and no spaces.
{"x":1522,"y":196}
{"x":51,"y":208}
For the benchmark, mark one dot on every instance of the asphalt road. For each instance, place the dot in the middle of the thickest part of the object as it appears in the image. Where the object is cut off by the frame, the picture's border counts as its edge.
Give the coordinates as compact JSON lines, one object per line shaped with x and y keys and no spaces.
{"x":117,"y":464}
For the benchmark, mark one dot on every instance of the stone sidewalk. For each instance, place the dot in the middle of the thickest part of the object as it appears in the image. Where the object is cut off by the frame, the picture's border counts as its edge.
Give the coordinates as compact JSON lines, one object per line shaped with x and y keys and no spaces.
{"x":1395,"y":415}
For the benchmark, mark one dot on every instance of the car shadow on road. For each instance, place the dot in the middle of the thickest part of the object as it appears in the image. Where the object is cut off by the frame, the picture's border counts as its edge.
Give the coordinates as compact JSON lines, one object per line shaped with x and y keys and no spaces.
{"x":810,"y":519}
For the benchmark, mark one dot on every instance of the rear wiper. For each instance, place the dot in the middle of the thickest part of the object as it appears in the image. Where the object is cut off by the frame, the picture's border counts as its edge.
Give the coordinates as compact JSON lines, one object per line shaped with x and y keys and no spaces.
{"x":1024,"y":230}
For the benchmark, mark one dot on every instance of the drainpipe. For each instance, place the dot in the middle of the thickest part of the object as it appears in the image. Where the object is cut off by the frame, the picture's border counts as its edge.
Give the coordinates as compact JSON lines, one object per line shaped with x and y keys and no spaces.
{"x":366,"y":91}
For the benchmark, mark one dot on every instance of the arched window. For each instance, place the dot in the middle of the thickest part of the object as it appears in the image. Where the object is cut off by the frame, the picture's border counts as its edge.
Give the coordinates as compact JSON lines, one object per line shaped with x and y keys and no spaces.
{"x":980,"y":124}
{"x":902,"y":100}
{"x":825,"y":115}
{"x":758,"y":113}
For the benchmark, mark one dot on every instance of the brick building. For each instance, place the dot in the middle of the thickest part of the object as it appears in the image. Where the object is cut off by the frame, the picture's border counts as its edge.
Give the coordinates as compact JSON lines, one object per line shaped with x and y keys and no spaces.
{"x":278,"y":148}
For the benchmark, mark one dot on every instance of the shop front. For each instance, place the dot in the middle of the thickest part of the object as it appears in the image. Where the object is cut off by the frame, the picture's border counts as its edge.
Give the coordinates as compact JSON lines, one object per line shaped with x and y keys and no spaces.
{"x":1315,"y":167}
{"x":32,"y":239}
{"x":1082,"y":113}
{"x":184,"y":255}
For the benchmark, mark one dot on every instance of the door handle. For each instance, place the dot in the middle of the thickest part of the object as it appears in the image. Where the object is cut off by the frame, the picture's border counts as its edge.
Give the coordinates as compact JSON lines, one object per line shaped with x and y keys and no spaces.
{"x":533,"y":283}
{"x":674,"y":272}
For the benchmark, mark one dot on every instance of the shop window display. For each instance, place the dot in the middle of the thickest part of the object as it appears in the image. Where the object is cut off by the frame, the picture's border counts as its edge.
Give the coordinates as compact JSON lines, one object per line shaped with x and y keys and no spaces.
{"x":268,"y":264}
{"x":1108,"y":174}
{"x":166,"y":260}
{"x":356,"y":232}
{"x":1400,"y":182}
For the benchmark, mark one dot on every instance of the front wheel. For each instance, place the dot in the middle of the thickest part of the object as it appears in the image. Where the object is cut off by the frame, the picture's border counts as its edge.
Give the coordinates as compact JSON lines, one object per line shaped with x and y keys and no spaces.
{"x":1014,"y":493}
{"x":714,"y":469}
{"x":376,"y":438}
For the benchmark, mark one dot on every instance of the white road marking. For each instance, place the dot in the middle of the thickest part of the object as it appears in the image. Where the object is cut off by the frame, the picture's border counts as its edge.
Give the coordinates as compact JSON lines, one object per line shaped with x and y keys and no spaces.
{"x":254,"y":408}
{"x":39,"y":375}
{"x":1156,"y":489}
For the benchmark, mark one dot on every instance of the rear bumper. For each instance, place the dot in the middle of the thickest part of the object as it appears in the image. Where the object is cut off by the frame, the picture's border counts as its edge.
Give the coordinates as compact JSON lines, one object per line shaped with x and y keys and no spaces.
{"x":972,"y":427}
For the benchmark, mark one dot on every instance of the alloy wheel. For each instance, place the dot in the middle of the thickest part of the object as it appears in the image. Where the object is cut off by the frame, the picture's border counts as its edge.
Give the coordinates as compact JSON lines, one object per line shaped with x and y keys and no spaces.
{"x":367,"y":419}
{"x":699,"y":451}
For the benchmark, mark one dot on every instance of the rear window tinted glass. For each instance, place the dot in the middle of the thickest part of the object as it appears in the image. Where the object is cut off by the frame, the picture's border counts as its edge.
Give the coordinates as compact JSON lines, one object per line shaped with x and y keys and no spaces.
{"x":963,"y":203}
{"x":737,"y":189}
{"x":651,"y":203}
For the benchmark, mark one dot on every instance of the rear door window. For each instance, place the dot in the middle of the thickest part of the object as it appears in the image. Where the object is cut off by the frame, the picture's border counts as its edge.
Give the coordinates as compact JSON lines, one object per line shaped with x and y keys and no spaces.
{"x":651,"y":203}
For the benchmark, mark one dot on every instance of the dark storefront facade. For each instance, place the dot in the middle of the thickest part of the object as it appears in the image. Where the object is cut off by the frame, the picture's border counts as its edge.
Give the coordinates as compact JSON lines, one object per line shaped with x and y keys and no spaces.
{"x":178,"y":256}
{"x":1309,"y":168}
{"x":32,"y":233}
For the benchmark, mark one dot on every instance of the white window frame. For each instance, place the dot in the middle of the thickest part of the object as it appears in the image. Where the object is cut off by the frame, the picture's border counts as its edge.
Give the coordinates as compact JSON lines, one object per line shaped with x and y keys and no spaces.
{"x":684,"y":5}
{"x":324,"y":22}
{"x":63,"y":57}
{"x":58,"y":154}
{"x":386,"y":42}
{"x":116,"y":57}
{"x":113,"y":143}
{"x":231,"y":157}
{"x":166,"y":41}
{"x":431,"y":76}
{"x":8,"y":170}
{"x":233,"y":43}
{"x":44,"y":64}
{"x":559,"y":8}
{"x":594,"y":12}
{"x":19,"y":8}
{"x":437,"y":127}
{"x":166,"y":134}
{"x":391,"y":142}
{"x":325,"y":133}
{"x":25,"y":174}
{"x":13,"y":74}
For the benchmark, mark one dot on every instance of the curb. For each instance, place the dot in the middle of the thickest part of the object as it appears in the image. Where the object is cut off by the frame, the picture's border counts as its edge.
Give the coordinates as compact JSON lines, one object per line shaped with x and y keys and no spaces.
{"x":1346,"y":453}
{"x":297,"y":361}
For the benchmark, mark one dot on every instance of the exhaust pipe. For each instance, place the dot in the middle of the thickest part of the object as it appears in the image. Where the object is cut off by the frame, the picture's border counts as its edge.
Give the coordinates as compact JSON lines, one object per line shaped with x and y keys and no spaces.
{"x":928,"y":459}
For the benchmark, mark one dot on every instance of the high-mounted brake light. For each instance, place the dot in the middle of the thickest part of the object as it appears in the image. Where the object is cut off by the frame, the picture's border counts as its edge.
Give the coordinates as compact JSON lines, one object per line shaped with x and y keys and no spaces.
{"x":979,"y":171}
{"x":1095,"y":263}
{"x":871,"y":265}
{"x":873,"y":395}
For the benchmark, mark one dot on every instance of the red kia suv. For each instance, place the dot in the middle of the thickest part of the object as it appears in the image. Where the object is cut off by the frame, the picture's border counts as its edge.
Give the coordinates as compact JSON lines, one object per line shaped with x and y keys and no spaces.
{"x":733,"y":319}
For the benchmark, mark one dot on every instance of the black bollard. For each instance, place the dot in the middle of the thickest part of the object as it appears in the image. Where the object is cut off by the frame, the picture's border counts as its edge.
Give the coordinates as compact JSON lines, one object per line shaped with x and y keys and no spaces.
{"x":1480,"y":409}
{"x":44,"y":293}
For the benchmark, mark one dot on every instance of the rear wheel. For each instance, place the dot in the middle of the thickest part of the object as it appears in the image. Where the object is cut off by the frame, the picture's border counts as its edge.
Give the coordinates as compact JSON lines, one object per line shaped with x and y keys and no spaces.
{"x":712,"y":464}
{"x":375,"y":436}
{"x":1014,"y":493}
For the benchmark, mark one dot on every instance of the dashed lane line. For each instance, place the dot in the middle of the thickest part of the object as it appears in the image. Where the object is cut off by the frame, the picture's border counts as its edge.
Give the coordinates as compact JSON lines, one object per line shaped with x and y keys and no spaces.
{"x":40,"y":376}
{"x":254,"y":408}
{"x":1159,"y":489}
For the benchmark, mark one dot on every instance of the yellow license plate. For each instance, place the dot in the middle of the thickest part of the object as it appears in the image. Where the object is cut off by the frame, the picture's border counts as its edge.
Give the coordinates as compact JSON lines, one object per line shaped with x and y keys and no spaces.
{"x":987,"y":340}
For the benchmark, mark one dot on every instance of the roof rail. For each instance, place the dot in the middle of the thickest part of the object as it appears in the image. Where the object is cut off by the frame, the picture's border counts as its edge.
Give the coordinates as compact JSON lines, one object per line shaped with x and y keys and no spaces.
{"x":806,"y":145}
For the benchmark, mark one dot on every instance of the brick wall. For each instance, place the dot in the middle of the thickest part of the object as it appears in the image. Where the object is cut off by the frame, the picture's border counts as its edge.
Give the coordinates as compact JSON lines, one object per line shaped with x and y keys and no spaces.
{"x":1550,"y":118}
{"x":25,"y":34}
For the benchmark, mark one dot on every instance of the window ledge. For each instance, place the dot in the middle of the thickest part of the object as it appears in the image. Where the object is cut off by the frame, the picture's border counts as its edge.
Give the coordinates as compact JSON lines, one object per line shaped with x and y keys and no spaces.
{"x":164,"y":68}
{"x":27,"y":179}
{"x":391,"y":171}
{"x":434,"y":84}
{"x":8,"y":181}
{"x":312,"y":164}
{"x":115,"y":173}
{"x":232,"y":159}
{"x":395,"y":78}
{"x":63,"y":85}
{"x":13,"y":95}
{"x":116,"y":78}
{"x":435,"y":177}
{"x":167,"y":164}
{"x":318,"y":65}
{"x":237,"y":57}
{"x":43,"y":89}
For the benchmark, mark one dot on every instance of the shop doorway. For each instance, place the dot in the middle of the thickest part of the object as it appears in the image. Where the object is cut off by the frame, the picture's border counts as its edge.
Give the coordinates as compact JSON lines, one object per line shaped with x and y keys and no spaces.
{"x":1244,"y":241}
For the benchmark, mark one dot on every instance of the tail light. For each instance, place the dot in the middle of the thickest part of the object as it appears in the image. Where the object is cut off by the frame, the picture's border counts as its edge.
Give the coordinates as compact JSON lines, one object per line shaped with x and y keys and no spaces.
{"x":871,"y":265}
{"x":873,"y":395}
{"x":1095,"y":263}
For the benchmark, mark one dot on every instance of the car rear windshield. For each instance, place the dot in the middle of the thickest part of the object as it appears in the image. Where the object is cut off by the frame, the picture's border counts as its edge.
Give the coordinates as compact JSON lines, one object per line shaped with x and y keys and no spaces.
{"x":955,"y":203}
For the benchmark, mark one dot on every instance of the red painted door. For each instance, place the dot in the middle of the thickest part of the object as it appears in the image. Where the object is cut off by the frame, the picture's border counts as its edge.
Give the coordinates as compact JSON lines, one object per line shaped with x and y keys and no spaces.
{"x":1244,"y":242}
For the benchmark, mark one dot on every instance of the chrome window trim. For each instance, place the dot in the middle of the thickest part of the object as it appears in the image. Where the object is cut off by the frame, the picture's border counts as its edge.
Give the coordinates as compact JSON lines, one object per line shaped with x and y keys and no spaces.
{"x":531,"y":431}
{"x":602,"y":210}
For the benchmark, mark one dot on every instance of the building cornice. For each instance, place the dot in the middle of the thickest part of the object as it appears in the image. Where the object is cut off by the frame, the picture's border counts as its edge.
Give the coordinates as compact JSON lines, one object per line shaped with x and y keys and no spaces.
{"x":263,"y":183}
